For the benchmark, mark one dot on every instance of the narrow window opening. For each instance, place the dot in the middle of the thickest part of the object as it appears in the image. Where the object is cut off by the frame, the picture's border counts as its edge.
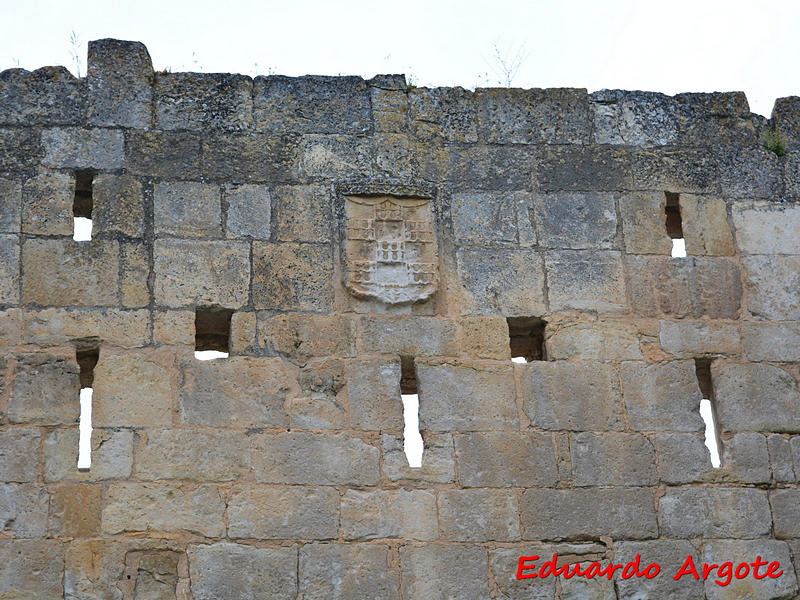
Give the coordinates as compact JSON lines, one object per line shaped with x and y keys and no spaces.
{"x":86,"y":355}
{"x":212,"y":333}
{"x":675,"y":225}
{"x":82,"y":206}
{"x":412,"y":440}
{"x":713,"y":442}
{"x":526,"y":338}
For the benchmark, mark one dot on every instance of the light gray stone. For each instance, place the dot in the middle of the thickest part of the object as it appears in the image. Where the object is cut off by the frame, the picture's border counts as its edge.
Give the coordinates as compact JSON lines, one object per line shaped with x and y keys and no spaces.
{"x":687,"y":339}
{"x":405,"y":514}
{"x":204,"y":455}
{"x":438,"y":464}
{"x":739,"y":551}
{"x":576,"y":220}
{"x":31,"y":569}
{"x":670,"y":556}
{"x":682,"y":457}
{"x":746,"y":456}
{"x":249,"y":211}
{"x":786,"y":513}
{"x":111,"y":452}
{"x":466,"y":398}
{"x":45,"y":390}
{"x":479,"y":515}
{"x":407,"y":335}
{"x":662,"y":396}
{"x":612,"y":459}
{"x":584,"y":280}
{"x":225,"y":570}
{"x":437,"y":571}
{"x":47,"y":201}
{"x":775,"y":342}
{"x":506,"y":459}
{"x":780,"y":453}
{"x":9,"y":269}
{"x":187,"y":209}
{"x":10,"y":206}
{"x":373,"y":394}
{"x":593,"y":340}
{"x":314,"y":458}
{"x":74,"y":148}
{"x":773,"y":286}
{"x":18,"y":447}
{"x":714,"y":512}
{"x":23,"y":510}
{"x":571,"y":395}
{"x":767,"y":227}
{"x":277,"y":512}
{"x":347,"y":572}
{"x":487,"y":218}
{"x":755,"y":397}
{"x":119,"y":80}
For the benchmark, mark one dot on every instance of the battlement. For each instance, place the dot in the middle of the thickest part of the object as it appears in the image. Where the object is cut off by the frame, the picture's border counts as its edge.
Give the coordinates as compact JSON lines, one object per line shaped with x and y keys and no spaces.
{"x":349,"y":242}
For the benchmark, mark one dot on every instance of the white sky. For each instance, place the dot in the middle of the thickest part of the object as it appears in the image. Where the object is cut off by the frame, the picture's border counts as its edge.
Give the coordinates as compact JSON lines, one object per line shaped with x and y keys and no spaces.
{"x":669,"y":46}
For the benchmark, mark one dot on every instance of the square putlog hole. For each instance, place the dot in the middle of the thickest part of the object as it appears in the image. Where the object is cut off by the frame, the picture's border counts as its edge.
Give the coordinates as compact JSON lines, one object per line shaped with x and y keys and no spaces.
{"x":526,"y":338}
{"x":212,"y":328}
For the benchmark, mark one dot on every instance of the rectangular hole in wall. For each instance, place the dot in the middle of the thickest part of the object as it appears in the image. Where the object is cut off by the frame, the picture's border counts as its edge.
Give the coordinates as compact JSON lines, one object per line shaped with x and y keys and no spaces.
{"x":212,"y":333}
{"x":526,"y":338}
{"x":412,"y":440}
{"x":86,"y":354}
{"x":702,"y":368}
{"x":675,"y":225}
{"x":82,"y":206}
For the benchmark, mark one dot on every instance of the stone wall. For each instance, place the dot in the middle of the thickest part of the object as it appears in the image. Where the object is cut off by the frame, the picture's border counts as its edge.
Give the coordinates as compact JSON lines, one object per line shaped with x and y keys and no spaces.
{"x":359,"y":233}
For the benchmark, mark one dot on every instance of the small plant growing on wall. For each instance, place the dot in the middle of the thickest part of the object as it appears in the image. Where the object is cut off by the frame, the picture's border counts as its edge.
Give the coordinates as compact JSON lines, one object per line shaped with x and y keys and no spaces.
{"x":775,"y":140}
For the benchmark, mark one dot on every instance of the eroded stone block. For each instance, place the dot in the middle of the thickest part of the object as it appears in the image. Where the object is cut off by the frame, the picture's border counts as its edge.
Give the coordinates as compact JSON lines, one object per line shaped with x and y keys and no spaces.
{"x":438,"y":571}
{"x":373,"y":394}
{"x":23,"y":510}
{"x":32,"y":569}
{"x":714,"y":512}
{"x":17,"y":446}
{"x":203,"y":101}
{"x":47,"y":201}
{"x":506,"y":459}
{"x":479,"y":515}
{"x":362,"y":572}
{"x":118,"y":205}
{"x":45,"y":390}
{"x":438,"y":464}
{"x":625,"y":459}
{"x":405,"y":514}
{"x":290,"y":276}
{"x":187,"y":209}
{"x":120,"y":78}
{"x":111,"y":454}
{"x":583,"y":280}
{"x":249,"y":211}
{"x":74,"y":148}
{"x":576,"y":220}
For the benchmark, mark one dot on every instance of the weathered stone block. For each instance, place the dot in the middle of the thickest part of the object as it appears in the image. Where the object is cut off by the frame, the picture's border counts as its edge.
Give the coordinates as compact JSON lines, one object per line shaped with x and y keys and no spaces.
{"x":68,"y":273}
{"x":612,"y":459}
{"x":17,"y":446}
{"x":533,"y":116}
{"x":50,"y":326}
{"x":407,"y":335}
{"x":205,"y":455}
{"x":111,"y":454}
{"x":437,"y":571}
{"x":363,"y":572}
{"x":592,"y":340}
{"x":163,"y":507}
{"x":633,"y":118}
{"x":680,"y":170}
{"x":405,"y":514}
{"x":9,"y":269}
{"x":766,"y":227}
{"x":786,"y":513}
{"x":373,"y":393}
{"x":10,"y":206}
{"x":46,"y":96}
{"x":644,"y":223}
{"x":506,"y":281}
{"x":571,"y":395}
{"x":485,"y":337}
{"x":75,"y":148}
{"x":755,"y":397}
{"x":323,"y":404}
{"x":120,"y":77}
{"x":773,"y":286}
{"x":488,"y":218}
{"x":45,"y":390}
{"x":249,"y":209}
{"x":118,"y":205}
{"x":576,"y":220}
{"x":583,"y":280}
{"x":289,"y":276}
{"x":32,"y":569}
{"x":777,"y":342}
{"x":191,"y":272}
{"x":480,"y":167}
{"x":438,"y":465}
{"x":302,"y":213}
{"x":47,"y":204}
{"x":75,"y":510}
{"x":684,"y":287}
{"x":133,"y":390}
{"x":250,"y":158}
{"x":714,"y":512}
{"x":506,"y":459}
{"x":225,"y":570}
{"x":166,"y":154}
{"x":345,"y":157}
{"x":581,"y":168}
{"x":503,"y":564}
{"x":750,"y":172}
{"x":301,"y":337}
{"x":739,"y":551}
{"x":714,"y":118}
{"x":588,"y":513}
{"x":704,"y":223}
{"x":23,"y":510}
{"x":682,"y":457}
{"x":311,"y":104}
{"x":479,"y":515}
{"x":187,"y":209}
{"x":203,"y":101}
{"x":314,"y":458}
{"x":134,"y":273}
{"x":20,"y":150}
{"x":669,"y":555}
{"x":745,"y":456}
{"x":270,"y":512}
{"x":174,"y":327}
{"x":780,"y":454}
{"x":234,"y":392}
{"x":466,"y":398}
{"x":449,"y":114}
{"x":662,"y":396}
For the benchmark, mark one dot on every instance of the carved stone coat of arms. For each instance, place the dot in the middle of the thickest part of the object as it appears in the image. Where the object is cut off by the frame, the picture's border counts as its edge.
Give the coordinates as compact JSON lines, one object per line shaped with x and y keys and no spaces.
{"x":390,"y":251}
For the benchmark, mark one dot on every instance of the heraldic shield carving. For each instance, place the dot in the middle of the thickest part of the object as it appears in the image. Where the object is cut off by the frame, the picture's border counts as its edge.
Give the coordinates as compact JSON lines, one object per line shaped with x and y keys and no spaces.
{"x":390,"y":249}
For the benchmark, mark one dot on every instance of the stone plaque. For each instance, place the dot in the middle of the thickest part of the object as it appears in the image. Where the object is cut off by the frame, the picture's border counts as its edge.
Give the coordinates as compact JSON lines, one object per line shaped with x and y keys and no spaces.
{"x":390,"y":251}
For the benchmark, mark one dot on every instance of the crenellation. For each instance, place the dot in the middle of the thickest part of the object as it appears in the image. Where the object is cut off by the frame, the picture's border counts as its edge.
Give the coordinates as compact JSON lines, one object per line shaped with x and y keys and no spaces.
{"x":505,"y":255}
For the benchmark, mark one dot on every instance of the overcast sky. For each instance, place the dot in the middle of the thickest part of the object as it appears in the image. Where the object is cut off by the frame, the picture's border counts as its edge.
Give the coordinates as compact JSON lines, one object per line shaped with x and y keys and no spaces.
{"x":669,"y":46}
